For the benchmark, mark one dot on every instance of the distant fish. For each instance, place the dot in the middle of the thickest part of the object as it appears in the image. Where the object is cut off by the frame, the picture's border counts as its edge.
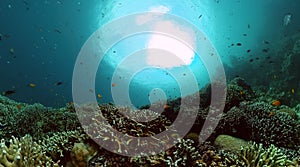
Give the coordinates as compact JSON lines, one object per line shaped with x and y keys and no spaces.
{"x":11,"y":51}
{"x":57,"y":30}
{"x":8,"y":92}
{"x":58,"y":83}
{"x":31,"y":85}
{"x":287,"y":19}
{"x":19,"y":106}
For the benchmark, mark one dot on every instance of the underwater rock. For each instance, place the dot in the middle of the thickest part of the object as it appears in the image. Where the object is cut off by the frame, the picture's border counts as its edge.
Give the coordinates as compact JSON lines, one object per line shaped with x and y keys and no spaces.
{"x":230,"y":143}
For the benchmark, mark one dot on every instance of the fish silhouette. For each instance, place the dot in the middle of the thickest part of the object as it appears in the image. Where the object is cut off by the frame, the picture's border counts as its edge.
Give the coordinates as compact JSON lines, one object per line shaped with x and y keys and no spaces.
{"x":287,"y":19}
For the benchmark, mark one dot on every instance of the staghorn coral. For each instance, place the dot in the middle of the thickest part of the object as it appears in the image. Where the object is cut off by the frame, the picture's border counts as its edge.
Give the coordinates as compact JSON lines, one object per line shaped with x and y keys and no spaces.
{"x":183,"y":153}
{"x":100,"y":131}
{"x":23,"y":153}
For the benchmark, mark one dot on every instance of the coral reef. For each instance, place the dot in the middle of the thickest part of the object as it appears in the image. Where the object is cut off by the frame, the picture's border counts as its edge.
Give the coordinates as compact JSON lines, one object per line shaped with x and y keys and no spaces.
{"x":263,"y":123}
{"x":19,"y":119}
{"x":57,"y":138}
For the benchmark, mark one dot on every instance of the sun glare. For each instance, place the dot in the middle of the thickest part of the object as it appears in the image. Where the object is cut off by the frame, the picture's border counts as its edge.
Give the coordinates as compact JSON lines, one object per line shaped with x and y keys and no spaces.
{"x":175,"y":52}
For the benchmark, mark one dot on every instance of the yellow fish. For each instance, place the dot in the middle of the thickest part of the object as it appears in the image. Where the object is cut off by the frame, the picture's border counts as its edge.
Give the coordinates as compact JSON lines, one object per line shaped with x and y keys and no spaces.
{"x":99,"y":95}
{"x":32,"y":85}
{"x":293,"y":91}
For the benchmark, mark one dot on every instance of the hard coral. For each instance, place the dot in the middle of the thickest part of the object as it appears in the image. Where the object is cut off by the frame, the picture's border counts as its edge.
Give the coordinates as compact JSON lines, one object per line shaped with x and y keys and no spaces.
{"x":23,"y":153}
{"x":256,"y":155}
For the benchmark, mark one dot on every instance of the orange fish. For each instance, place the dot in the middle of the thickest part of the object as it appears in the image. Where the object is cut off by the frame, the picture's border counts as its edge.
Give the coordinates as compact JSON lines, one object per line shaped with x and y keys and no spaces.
{"x":113,"y":85}
{"x":32,"y":85}
{"x":276,"y":103}
{"x":166,"y":106}
{"x":272,"y":113}
{"x":19,"y":106}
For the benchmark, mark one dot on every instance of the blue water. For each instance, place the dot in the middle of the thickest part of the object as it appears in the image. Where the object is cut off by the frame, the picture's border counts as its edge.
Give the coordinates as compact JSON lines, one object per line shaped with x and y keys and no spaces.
{"x":47,"y":36}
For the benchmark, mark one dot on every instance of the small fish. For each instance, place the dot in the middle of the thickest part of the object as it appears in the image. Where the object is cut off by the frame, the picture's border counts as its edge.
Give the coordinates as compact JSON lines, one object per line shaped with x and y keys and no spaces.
{"x":31,"y":85}
{"x":58,"y":83}
{"x":239,"y":44}
{"x":200,"y":16}
{"x":276,"y":103}
{"x":2,"y":126}
{"x":19,"y":106}
{"x":99,"y":95}
{"x":8,"y":92}
{"x":287,"y":19}
{"x":266,"y":50}
{"x":57,"y":30}
{"x":12,"y":51}
{"x":113,"y":85}
{"x":166,"y":106}
{"x":272,"y":113}
{"x":293,"y":91}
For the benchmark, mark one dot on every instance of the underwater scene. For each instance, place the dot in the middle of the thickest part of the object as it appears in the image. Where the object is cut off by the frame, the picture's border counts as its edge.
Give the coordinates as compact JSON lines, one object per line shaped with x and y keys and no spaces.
{"x":165,"y":83}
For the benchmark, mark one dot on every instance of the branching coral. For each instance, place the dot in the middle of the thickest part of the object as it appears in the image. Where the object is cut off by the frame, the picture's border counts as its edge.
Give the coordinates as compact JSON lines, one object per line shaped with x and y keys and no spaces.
{"x":255,"y":155}
{"x":23,"y":153}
